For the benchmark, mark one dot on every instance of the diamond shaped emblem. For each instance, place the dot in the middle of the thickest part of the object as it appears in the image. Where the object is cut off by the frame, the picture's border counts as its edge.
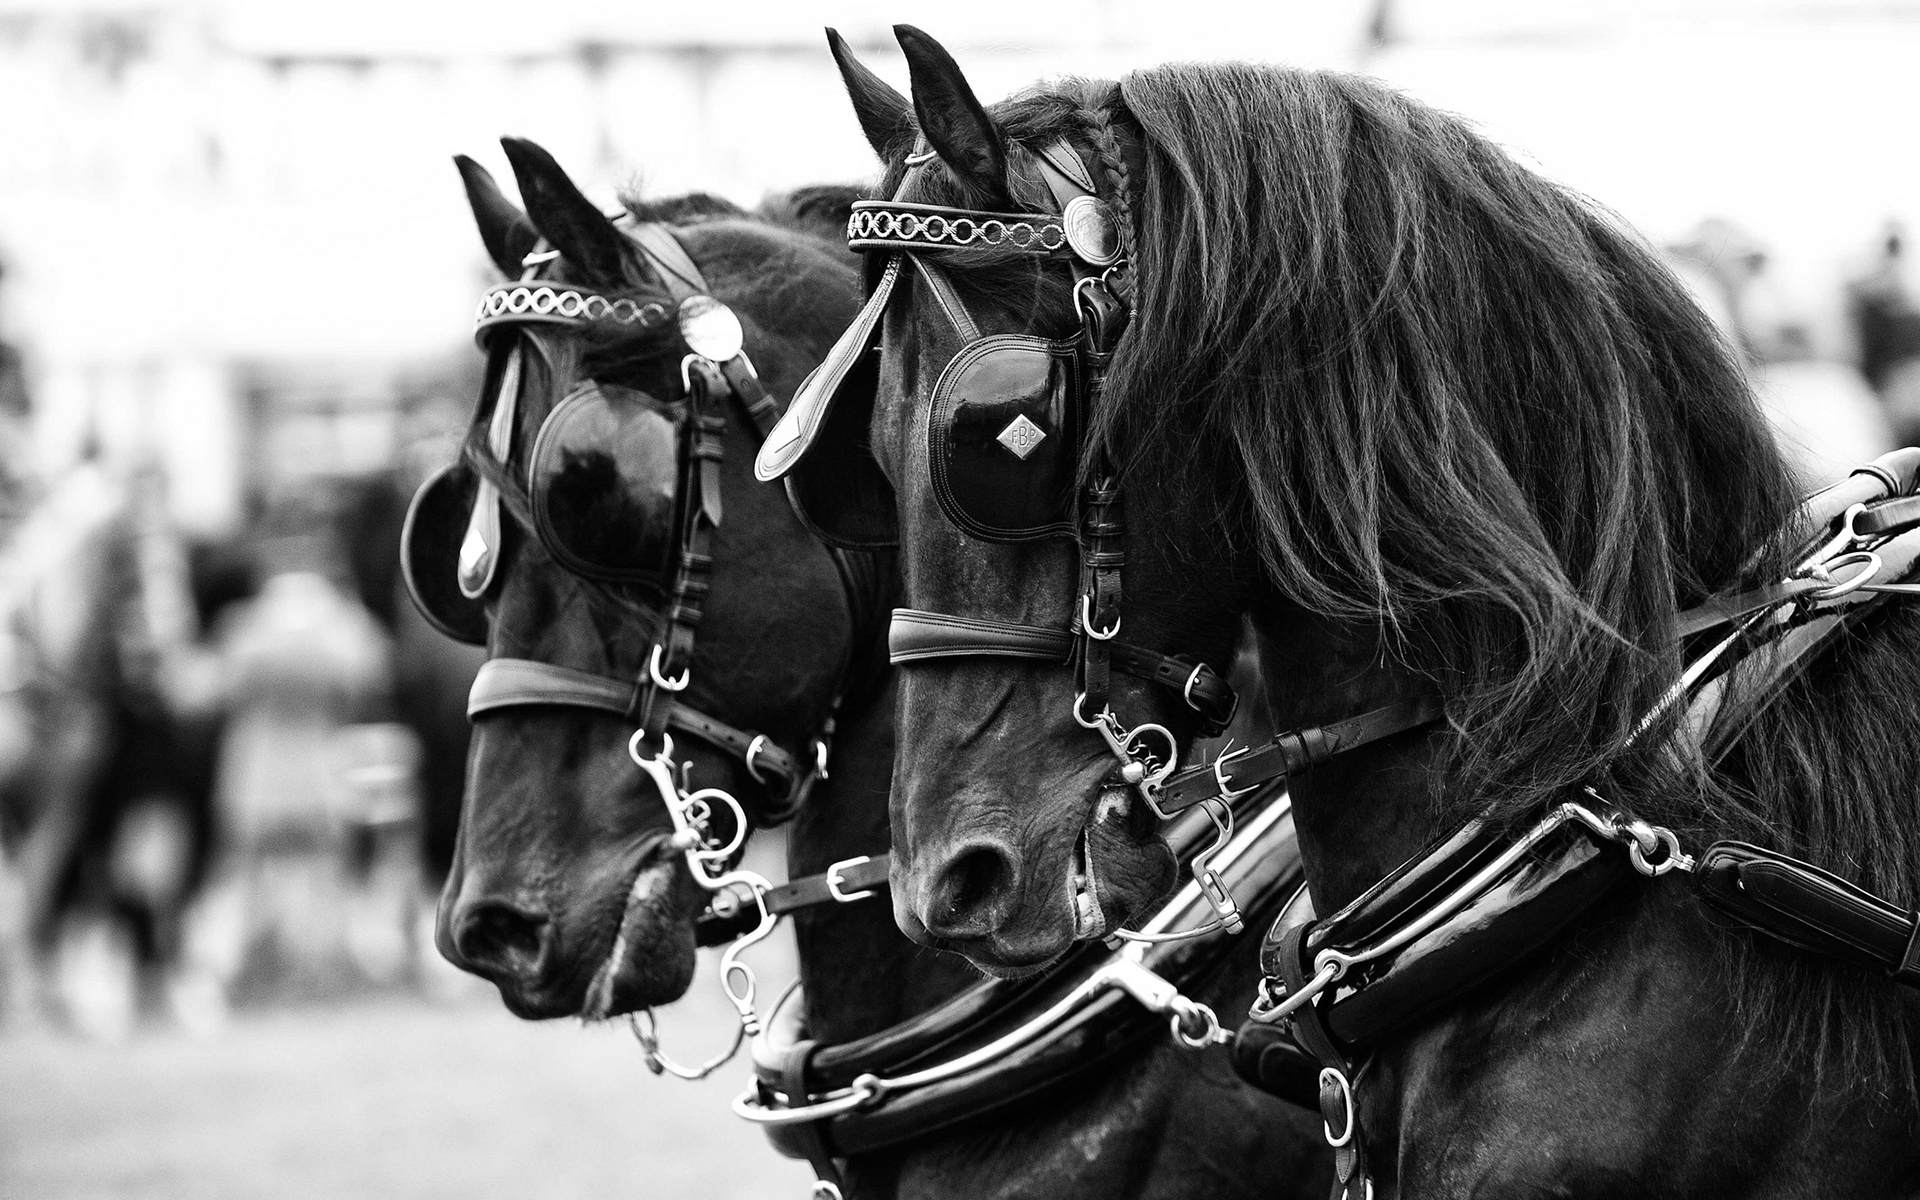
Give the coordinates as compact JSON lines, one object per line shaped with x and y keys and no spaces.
{"x":1021,"y":436}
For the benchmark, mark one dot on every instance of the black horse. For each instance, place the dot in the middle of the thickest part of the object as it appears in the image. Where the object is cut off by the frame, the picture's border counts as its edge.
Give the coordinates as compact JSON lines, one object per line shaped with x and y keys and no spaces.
{"x":1440,"y":429}
{"x":566,"y":879}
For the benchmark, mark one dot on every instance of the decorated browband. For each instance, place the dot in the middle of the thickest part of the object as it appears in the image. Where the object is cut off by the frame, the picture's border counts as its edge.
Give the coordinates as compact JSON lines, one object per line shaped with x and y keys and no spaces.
{"x":560,"y":304}
{"x":1085,"y":229}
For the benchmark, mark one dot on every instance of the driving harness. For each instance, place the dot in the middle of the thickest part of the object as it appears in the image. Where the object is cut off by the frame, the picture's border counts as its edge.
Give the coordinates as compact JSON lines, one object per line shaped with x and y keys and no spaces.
{"x":614,"y":500}
{"x":1474,"y":905}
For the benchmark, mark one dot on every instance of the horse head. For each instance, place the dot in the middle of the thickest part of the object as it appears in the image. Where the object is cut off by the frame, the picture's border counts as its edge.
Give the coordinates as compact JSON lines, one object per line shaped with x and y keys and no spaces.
{"x":563,"y":541}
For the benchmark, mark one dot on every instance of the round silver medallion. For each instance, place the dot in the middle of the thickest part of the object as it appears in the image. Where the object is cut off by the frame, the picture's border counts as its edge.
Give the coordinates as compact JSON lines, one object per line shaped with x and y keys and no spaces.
{"x":710,"y":328}
{"x":1091,"y":230}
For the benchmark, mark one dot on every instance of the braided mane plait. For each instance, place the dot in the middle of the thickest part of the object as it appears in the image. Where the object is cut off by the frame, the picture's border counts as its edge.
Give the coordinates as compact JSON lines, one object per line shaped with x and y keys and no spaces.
{"x":1100,"y":121}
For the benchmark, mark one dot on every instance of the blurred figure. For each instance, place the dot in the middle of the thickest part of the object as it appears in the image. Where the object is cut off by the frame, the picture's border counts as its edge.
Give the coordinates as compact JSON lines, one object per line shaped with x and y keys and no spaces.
{"x":300,"y":663}
{"x":1824,"y":415}
{"x":102,"y":781}
{"x":1884,"y":305}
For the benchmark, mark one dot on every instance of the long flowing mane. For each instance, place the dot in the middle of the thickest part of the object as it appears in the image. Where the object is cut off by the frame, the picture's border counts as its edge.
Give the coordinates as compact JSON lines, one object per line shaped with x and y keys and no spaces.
{"x":1448,"y":399}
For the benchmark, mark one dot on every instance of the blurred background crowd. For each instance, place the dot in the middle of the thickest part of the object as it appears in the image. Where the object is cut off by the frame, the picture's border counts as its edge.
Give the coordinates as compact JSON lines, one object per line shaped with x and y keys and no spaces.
{"x":234,"y":310}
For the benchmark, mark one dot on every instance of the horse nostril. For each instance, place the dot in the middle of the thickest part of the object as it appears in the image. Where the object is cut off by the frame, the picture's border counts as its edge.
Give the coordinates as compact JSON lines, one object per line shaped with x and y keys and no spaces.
{"x":970,"y":892}
{"x":496,"y":939}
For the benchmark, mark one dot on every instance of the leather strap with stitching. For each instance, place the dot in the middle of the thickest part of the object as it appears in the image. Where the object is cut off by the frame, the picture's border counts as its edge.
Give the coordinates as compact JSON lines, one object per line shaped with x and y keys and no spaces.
{"x":514,"y":682}
{"x":1292,"y":751}
{"x":917,"y":636}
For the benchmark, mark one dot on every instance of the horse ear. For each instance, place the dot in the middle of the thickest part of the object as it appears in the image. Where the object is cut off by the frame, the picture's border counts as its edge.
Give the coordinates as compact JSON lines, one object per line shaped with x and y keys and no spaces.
{"x":956,"y":125}
{"x":885,"y":115}
{"x":504,"y":229}
{"x":569,"y":220}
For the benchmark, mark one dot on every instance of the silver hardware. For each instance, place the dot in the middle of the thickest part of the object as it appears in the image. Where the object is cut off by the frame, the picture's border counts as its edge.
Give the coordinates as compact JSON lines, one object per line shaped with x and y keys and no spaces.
{"x":633,"y":749}
{"x":1022,"y":437}
{"x":754,"y":747}
{"x":1346,"y":1094}
{"x":1091,"y":230}
{"x":1227,"y":755}
{"x":1867,"y":560}
{"x":1121,"y":973}
{"x":551,"y":302}
{"x":1186,"y":692}
{"x":678,"y":684}
{"x":657,"y":1060}
{"x":1086,"y":623}
{"x":825,"y":1190}
{"x":837,"y":871}
{"x":923,"y":156}
{"x":535,"y":258}
{"x":1211,"y":1034}
{"x":820,"y":759}
{"x":710,"y":328}
{"x":905,"y":227}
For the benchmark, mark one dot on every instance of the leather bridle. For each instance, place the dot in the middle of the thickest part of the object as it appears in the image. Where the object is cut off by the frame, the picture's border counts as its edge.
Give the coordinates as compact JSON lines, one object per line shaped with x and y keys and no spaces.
{"x":652,"y":701}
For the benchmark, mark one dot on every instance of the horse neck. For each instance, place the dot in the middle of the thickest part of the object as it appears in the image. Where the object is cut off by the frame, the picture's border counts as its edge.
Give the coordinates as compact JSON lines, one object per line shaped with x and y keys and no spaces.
{"x":1361,"y":814}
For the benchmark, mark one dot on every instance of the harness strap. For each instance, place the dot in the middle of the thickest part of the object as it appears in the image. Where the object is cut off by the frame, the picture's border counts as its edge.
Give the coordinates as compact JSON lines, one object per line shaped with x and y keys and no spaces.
{"x":669,"y":258}
{"x":810,"y":1135}
{"x":1338,"y":1111}
{"x":842,"y":883}
{"x":1813,"y":909}
{"x":1293,"y":751}
{"x":917,"y":636}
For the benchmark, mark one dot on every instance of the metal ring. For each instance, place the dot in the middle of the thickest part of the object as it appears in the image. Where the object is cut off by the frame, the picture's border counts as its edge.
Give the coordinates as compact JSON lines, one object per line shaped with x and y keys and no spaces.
{"x":1086,"y":622}
{"x":1671,"y":859}
{"x":1346,"y":1093}
{"x":826,"y":1190}
{"x":1867,"y":559}
{"x":753,"y":748}
{"x":1209,"y":1026}
{"x":666,"y":748}
{"x":1101,"y":720}
{"x":659,"y":680}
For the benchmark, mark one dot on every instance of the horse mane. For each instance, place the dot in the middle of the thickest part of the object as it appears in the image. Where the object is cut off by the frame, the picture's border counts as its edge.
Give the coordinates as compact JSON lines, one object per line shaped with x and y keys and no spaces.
{"x":1451,"y":402}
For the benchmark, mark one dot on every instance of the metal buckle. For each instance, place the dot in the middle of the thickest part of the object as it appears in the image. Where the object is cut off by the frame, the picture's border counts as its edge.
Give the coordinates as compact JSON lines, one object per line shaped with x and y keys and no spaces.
{"x":833,"y":879}
{"x":1186,"y":692}
{"x":1227,"y":790}
{"x":661,"y":681}
{"x":820,"y":758}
